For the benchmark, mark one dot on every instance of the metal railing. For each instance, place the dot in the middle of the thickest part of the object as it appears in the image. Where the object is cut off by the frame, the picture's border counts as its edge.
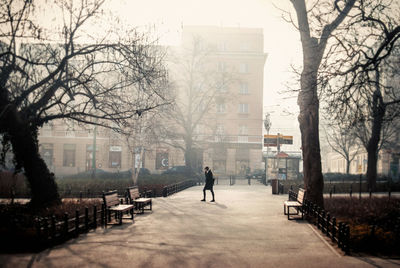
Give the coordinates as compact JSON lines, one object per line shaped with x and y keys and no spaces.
{"x":177,"y":187}
{"x":338,"y":232}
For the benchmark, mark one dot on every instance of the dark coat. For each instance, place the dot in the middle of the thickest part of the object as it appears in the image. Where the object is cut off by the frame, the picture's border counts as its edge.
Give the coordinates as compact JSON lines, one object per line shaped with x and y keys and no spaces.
{"x":209,"y":180}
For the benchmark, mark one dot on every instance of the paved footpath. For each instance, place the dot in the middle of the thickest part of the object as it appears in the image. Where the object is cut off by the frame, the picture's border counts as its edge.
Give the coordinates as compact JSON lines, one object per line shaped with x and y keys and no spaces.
{"x":244,"y":228}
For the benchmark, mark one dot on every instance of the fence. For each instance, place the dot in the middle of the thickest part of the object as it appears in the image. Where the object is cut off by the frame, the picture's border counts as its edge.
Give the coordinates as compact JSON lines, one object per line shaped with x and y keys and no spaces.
{"x":337,"y":232}
{"x":348,"y":187}
{"x":50,"y":231}
{"x":177,"y":187}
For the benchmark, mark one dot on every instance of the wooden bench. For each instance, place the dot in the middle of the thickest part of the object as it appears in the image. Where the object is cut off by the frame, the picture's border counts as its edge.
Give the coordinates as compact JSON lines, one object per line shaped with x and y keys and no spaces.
{"x":139,"y":202}
{"x":297,"y":204}
{"x":112,"y":204}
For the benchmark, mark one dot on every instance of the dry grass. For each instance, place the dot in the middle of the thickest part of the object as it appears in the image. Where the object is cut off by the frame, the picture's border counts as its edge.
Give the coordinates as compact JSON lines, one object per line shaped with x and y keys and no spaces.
{"x":362,"y":214}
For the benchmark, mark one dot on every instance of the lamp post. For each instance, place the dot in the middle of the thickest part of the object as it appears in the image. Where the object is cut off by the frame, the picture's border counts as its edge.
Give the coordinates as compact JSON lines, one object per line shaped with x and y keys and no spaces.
{"x":267,"y":126}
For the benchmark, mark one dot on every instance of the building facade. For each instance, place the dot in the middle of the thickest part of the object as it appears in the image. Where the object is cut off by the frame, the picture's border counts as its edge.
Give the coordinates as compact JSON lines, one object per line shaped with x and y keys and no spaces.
{"x":229,"y":140}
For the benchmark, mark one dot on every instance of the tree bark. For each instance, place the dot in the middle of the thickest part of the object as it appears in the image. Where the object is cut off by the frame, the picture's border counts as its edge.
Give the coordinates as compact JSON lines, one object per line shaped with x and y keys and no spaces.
{"x":44,"y":191}
{"x":309,"y":122}
{"x":373,"y":143}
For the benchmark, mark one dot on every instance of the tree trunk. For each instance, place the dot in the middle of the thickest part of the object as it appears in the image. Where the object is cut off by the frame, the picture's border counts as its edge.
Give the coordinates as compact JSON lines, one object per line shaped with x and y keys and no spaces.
{"x":309,"y":123}
{"x":189,"y":152}
{"x":135,"y":172}
{"x":371,"y":169}
{"x":347,"y":166}
{"x":378,"y":114}
{"x":313,"y":178}
{"x":372,"y":149}
{"x":42,"y":183}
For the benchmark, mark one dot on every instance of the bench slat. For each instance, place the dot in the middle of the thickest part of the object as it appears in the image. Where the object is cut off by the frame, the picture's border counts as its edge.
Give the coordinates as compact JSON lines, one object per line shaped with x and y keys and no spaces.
{"x":300,"y":196}
{"x":121,"y":207}
{"x":134,"y":193}
{"x":111,"y":199}
{"x":142,"y":200}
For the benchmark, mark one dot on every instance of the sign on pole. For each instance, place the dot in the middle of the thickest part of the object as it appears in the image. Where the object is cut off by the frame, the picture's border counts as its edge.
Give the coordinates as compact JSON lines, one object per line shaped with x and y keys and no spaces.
{"x":274,"y":140}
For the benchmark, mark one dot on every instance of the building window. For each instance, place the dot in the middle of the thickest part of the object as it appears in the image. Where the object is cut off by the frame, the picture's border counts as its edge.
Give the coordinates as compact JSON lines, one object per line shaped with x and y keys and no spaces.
{"x":244,"y":46}
{"x":221,"y":108}
{"x":47,"y":153}
{"x":220,"y":130}
{"x":47,"y":130}
{"x":69,"y":155}
{"x":244,"y":88}
{"x":221,"y":67}
{"x":244,"y":68}
{"x":115,"y":156}
{"x":222,"y":46}
{"x":222,"y":87}
{"x":243,"y":130}
{"x":243,"y":108}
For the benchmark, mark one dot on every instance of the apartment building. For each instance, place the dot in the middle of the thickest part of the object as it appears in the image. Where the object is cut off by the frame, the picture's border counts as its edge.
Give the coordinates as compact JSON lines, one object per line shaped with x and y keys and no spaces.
{"x":230,"y":133}
{"x":229,"y":136}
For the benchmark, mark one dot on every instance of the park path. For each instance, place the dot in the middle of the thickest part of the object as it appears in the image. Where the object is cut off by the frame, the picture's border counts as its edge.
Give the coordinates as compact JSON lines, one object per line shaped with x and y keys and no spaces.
{"x":244,"y":228}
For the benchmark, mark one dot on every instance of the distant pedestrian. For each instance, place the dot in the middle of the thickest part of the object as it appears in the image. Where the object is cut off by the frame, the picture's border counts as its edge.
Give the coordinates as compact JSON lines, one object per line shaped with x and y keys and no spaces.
{"x":209,"y":183}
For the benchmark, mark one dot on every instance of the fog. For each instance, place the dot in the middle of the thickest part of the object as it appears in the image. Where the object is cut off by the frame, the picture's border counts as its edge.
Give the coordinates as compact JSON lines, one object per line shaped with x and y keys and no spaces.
{"x":281,"y":40}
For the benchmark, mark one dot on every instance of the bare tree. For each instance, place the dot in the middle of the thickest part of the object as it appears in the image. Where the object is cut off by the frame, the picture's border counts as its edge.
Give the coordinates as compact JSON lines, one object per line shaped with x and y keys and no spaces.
{"x":343,"y":142}
{"x":67,"y":73}
{"x":200,"y":88}
{"x":140,"y":135}
{"x":359,"y":94}
{"x":315,"y":26}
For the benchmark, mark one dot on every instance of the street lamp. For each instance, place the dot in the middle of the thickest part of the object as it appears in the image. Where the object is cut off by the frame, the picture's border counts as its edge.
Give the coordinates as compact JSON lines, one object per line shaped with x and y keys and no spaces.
{"x":267,"y":126}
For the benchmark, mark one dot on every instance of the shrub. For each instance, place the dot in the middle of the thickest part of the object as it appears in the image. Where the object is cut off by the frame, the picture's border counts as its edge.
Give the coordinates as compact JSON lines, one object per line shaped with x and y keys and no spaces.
{"x":372,"y":222}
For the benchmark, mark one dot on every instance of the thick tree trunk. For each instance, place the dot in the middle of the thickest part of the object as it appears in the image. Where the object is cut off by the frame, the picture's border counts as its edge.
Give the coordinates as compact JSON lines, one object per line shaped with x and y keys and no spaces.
{"x":347,"y":166}
{"x":378,"y":114}
{"x":189,"y":152}
{"x":313,"y":178}
{"x":372,"y":150}
{"x":371,"y":169}
{"x":43,"y":187}
{"x":309,"y":123}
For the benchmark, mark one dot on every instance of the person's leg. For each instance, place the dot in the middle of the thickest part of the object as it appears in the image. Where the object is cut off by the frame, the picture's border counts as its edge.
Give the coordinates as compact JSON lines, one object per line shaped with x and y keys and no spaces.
{"x":204,"y":195}
{"x":212,"y":192}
